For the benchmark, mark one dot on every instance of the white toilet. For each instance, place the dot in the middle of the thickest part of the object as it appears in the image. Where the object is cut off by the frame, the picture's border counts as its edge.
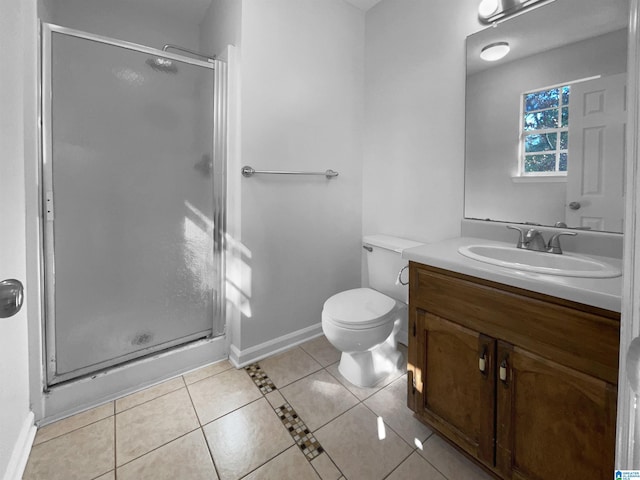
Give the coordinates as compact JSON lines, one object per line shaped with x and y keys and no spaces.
{"x":365,"y":323}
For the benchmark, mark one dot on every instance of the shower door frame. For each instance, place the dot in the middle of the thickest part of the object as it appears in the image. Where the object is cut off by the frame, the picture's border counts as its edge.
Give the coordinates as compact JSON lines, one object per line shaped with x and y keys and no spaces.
{"x":218,"y":320}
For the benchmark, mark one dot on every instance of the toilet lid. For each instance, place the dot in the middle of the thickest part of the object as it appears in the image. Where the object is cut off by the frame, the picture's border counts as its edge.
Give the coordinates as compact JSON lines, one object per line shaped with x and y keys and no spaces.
{"x":359,"y":308}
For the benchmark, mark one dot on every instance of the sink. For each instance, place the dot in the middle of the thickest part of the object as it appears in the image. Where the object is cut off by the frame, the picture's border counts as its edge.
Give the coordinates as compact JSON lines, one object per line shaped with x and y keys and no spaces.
{"x":567,"y":264}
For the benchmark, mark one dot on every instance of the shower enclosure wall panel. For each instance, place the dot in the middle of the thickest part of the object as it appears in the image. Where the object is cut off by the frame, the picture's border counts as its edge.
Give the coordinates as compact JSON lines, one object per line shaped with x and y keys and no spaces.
{"x":133,"y":266}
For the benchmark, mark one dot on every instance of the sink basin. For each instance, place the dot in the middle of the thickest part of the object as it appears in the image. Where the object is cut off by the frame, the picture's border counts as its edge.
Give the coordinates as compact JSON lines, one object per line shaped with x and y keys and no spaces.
{"x":567,"y":264}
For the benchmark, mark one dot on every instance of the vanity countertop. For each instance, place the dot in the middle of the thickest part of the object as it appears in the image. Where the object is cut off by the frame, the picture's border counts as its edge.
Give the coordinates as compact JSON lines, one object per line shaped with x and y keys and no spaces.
{"x":599,"y":292}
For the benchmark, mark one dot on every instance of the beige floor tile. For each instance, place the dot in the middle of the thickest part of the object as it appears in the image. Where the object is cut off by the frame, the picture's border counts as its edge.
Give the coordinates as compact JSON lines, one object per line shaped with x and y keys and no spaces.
{"x":289,"y":464}
{"x":322,"y":351}
{"x":108,"y":476}
{"x":275,"y":398}
{"x":81,"y":454}
{"x":150,"y":425}
{"x":289,"y":366}
{"x":245,"y":439}
{"x":451,"y":463}
{"x":74,"y":422}
{"x":361,"y":392}
{"x":416,"y":468}
{"x":221,"y":394}
{"x":207,"y":371}
{"x":147,"y":394}
{"x":325,"y":467}
{"x":352,"y":442}
{"x":185,"y":458}
{"x":318,"y":399}
{"x":390,"y":403}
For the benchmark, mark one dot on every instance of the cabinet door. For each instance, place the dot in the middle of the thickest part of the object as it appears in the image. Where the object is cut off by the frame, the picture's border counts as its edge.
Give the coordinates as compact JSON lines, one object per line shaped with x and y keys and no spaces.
{"x":552,"y":421}
{"x":455,"y":384}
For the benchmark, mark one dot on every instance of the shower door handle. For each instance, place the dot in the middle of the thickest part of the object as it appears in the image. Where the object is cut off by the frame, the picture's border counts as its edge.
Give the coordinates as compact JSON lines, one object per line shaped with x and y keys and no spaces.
{"x":11,"y":297}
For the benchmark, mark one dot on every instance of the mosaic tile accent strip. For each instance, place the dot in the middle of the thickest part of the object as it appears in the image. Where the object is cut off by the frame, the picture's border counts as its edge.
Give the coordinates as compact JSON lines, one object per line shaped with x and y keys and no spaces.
{"x":260,"y":378}
{"x":299,"y":431}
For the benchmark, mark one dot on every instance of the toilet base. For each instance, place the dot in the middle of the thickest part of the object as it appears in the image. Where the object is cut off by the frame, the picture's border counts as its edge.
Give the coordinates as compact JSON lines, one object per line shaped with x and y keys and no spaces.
{"x":365,"y":369}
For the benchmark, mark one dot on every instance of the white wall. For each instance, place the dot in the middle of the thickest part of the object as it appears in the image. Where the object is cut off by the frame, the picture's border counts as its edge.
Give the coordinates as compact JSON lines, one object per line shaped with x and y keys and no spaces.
{"x":220,"y":26}
{"x":302,"y":101}
{"x":17,"y":29}
{"x":493,"y":104}
{"x":43,"y":11}
{"x":414,"y":97}
{"x":125,"y":20}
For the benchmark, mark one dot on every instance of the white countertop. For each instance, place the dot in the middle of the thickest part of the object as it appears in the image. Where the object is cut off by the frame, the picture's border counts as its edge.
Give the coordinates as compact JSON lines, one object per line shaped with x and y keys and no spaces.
{"x":599,"y":292}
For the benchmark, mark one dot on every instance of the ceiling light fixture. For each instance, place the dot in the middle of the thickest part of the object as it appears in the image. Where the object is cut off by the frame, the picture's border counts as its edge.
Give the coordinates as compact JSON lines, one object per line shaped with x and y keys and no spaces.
{"x":491,"y":11}
{"x":494,"y":51}
{"x":487,"y":8}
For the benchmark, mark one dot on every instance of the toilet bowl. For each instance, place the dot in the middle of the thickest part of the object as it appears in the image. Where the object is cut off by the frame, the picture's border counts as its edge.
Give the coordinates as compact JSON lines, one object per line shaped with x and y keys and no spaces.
{"x":366,"y":323}
{"x":362,"y":323}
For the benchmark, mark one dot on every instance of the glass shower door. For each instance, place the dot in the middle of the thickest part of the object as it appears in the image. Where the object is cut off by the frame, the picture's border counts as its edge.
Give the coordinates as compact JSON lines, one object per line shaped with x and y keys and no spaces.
{"x":133,"y":264}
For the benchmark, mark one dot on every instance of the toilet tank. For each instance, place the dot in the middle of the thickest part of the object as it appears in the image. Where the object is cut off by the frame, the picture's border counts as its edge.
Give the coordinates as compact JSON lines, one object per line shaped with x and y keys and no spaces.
{"x":385,"y":261}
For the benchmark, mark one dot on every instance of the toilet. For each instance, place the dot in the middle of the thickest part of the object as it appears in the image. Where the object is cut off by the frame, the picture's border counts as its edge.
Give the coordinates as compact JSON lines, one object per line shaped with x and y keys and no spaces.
{"x":365,"y":324}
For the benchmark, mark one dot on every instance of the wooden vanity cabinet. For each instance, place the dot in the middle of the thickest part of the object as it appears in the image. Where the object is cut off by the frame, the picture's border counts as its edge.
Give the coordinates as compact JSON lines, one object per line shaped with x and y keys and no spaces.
{"x":455,"y":396}
{"x":553,"y":421}
{"x":523,"y":383}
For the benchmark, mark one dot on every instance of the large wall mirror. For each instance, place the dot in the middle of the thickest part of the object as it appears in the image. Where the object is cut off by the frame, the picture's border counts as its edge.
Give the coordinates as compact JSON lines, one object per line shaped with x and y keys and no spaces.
{"x":545,"y":125}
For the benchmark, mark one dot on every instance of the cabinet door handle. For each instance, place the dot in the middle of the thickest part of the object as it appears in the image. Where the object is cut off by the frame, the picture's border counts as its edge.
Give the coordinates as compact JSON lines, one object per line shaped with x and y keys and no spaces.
{"x":482,"y":361}
{"x":503,"y":371}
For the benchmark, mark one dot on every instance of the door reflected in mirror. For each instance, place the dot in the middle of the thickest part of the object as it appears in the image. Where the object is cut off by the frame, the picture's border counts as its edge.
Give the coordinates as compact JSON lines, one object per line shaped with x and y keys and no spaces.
{"x":545,"y":125}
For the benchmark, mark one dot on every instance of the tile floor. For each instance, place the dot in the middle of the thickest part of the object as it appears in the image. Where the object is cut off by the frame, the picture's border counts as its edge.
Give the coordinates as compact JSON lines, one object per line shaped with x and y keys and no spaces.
{"x":291,"y":416}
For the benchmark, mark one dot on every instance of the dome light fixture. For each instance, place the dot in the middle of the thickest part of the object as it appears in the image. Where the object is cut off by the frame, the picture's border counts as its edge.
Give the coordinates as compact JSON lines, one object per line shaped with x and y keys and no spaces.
{"x":494,"y":51}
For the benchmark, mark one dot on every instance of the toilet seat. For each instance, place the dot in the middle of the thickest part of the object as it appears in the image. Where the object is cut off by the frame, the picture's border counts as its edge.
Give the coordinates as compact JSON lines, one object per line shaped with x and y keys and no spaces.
{"x":358,"y":309}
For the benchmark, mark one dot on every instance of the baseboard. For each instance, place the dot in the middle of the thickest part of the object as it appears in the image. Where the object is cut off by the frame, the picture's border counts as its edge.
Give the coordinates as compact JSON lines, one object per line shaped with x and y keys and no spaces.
{"x":240,"y":358}
{"x":22,"y":449}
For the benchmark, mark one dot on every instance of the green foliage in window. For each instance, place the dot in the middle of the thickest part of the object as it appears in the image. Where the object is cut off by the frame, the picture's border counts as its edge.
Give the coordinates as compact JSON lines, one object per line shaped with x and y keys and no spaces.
{"x":546,"y":130}
{"x":540,"y":143}
{"x":539,"y":163}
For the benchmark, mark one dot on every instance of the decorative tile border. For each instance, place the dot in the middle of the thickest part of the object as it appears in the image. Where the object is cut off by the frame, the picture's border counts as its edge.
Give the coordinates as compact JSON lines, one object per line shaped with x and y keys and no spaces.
{"x":260,"y":378}
{"x":288,"y":416}
{"x":299,"y":431}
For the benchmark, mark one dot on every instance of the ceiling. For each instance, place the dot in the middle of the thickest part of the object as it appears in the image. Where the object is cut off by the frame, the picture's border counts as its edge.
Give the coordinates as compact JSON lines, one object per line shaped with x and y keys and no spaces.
{"x":363,"y":4}
{"x":194,"y":10}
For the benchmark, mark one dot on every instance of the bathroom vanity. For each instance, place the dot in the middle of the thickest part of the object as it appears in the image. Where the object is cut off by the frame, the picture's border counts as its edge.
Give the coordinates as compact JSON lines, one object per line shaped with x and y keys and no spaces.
{"x":523,"y":381}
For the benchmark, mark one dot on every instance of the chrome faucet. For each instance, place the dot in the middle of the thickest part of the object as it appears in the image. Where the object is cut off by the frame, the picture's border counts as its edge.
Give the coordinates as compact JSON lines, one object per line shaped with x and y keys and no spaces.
{"x":554,"y":242}
{"x":532,"y":239}
{"x":520,"y":238}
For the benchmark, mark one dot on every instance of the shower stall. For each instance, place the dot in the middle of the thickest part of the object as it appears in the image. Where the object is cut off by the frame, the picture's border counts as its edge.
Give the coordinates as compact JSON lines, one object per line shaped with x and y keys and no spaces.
{"x":133,"y":201}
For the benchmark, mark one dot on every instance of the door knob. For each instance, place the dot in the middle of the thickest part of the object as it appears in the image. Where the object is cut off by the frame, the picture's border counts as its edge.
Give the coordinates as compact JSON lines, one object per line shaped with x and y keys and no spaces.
{"x":11,"y":297}
{"x":574,"y":205}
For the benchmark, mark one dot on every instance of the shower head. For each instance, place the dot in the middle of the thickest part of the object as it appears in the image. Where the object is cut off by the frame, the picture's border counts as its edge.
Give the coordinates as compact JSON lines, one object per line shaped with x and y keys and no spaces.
{"x":160,"y":64}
